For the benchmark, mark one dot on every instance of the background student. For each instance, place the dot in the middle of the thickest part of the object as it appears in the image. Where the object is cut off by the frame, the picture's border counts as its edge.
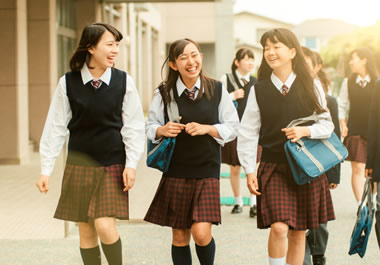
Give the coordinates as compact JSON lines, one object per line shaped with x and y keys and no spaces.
{"x":100,"y":107}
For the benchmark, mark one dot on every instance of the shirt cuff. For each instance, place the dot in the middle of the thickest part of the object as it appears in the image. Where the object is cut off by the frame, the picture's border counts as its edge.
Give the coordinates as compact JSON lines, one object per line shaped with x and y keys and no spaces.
{"x":130,"y":164}
{"x":152,"y":134}
{"x":222,"y":137}
{"x":232,"y":96}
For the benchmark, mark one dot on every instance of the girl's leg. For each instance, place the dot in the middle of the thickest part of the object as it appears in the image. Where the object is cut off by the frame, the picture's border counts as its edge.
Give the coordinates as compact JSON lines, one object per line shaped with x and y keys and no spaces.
{"x":296,"y":249}
{"x":88,"y":241}
{"x":357,"y":179}
{"x":111,"y":243}
{"x":277,"y":243}
{"x":204,"y":242}
{"x":235,"y":184}
{"x":181,"y":254}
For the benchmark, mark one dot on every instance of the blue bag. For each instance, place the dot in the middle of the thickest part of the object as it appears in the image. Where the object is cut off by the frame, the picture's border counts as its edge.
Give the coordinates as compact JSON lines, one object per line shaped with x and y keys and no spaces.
{"x":310,"y":158}
{"x":363,"y":224}
{"x":160,"y":154}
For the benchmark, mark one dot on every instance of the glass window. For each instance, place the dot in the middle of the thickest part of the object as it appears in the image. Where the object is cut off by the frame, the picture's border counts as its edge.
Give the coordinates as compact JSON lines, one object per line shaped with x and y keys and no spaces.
{"x":311,"y":42}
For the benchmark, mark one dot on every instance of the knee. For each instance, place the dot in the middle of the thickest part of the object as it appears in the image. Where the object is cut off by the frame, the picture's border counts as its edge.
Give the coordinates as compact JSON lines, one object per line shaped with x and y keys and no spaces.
{"x":181,"y":237}
{"x":202,"y":237}
{"x":104,"y":228}
{"x":279,"y":230}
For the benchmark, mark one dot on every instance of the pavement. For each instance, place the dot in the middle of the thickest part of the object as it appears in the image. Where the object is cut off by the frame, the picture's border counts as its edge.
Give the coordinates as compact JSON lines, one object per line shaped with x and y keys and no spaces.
{"x":29,"y":235}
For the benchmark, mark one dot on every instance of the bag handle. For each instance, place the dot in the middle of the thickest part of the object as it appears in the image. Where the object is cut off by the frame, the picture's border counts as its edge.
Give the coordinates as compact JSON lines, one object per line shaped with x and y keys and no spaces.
{"x":172,"y":109}
{"x":314,"y":117}
{"x":233,"y":82}
{"x":367,"y":197}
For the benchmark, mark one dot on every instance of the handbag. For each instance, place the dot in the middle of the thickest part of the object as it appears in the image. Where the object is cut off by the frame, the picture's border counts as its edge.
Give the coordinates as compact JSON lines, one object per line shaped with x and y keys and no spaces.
{"x":363,"y":224}
{"x":160,"y":154}
{"x":310,"y":158}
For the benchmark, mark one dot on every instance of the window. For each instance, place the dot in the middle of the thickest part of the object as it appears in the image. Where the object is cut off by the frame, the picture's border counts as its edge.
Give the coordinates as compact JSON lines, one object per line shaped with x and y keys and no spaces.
{"x":311,"y":42}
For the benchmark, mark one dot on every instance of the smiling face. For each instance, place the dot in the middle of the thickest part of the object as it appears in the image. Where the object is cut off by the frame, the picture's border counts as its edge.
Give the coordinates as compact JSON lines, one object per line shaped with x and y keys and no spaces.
{"x":103,"y":55}
{"x":278,"y":55}
{"x":188,"y":64}
{"x":245,"y":65}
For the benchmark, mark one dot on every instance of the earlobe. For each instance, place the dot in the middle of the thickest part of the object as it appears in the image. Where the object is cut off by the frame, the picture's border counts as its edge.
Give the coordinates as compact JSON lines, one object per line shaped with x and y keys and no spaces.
{"x":91,"y":50}
{"x":173,"y":66}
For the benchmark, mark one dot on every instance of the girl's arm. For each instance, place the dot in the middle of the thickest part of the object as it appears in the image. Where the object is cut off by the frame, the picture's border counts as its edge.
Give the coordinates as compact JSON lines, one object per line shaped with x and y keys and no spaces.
{"x":343,"y":106}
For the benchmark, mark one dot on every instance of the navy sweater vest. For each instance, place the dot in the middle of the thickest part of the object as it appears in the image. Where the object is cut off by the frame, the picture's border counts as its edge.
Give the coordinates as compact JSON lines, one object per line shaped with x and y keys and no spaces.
{"x":276,"y":112}
{"x":196,"y":156}
{"x":359,"y":107}
{"x":95,"y":138}
{"x":242,"y":102}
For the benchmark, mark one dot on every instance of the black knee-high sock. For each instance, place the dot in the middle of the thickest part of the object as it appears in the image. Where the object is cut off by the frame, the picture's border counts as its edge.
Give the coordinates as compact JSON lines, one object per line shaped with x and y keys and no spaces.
{"x":206,"y":254}
{"x":113,"y":253}
{"x":91,"y":256}
{"x":181,"y":255}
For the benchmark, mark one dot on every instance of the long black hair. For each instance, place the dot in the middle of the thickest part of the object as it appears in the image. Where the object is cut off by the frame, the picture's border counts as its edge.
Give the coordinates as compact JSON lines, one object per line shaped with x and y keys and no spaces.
{"x":175,"y":50}
{"x":322,"y":75}
{"x":240,"y":54}
{"x":91,"y":35}
{"x":365,"y":53}
{"x":307,"y":94}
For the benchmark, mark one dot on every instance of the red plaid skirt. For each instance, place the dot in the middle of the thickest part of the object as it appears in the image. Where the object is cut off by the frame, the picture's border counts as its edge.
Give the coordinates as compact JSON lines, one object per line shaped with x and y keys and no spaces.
{"x":230,"y":155}
{"x":357,"y":148}
{"x":92,"y":192}
{"x":282,"y":200}
{"x":179,"y":202}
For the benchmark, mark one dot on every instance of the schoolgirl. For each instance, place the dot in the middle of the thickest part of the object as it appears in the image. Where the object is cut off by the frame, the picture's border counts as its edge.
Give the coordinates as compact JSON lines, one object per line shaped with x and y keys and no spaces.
{"x":238,"y":84}
{"x":285,"y":91}
{"x":316,"y":239}
{"x":353,"y":99}
{"x":187,"y":198}
{"x":100,"y":107}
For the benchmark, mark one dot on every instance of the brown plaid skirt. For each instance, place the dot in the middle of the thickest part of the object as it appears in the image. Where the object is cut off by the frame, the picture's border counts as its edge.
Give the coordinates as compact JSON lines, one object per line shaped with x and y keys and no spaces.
{"x":230,"y":155}
{"x":282,"y":200}
{"x":179,"y":202}
{"x":92,"y":192}
{"x":357,"y":148}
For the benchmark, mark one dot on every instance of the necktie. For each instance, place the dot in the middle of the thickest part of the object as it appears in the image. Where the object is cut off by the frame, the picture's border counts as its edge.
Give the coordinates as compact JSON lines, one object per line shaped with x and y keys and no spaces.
{"x":96,"y":83}
{"x":284,"y":90}
{"x":245,"y":82}
{"x":362,"y":83}
{"x":190,"y":93}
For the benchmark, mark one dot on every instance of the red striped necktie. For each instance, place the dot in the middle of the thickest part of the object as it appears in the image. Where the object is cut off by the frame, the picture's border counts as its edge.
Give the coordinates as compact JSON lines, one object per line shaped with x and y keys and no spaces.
{"x":284,"y":90}
{"x":96,"y":83}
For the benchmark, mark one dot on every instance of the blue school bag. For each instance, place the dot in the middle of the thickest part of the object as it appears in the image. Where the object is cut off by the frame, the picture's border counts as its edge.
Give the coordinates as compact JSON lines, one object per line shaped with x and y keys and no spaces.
{"x":310,"y":158}
{"x":363,"y":224}
{"x":160,"y":154}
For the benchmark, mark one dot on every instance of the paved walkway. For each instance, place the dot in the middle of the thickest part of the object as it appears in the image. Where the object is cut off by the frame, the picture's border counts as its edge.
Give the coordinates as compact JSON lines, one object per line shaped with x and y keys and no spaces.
{"x":30,"y":236}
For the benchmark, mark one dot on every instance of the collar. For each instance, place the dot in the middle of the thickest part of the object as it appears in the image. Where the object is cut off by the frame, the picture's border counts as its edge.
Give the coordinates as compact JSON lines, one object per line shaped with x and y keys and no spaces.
{"x":278,"y":83}
{"x":367,"y":79}
{"x":240,"y":76}
{"x":87,"y":77}
{"x":181,"y":86}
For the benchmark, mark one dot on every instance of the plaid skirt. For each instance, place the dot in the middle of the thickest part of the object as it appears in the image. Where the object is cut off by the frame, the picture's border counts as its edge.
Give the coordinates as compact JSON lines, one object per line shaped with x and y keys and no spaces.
{"x":92,"y":192}
{"x":357,"y":148}
{"x":230,"y":155}
{"x":179,"y":202}
{"x":282,"y":200}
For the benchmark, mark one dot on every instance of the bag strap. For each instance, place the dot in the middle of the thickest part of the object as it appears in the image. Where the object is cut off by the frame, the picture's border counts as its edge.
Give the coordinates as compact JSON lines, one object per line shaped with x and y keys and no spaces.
{"x":314,"y":117}
{"x":172,"y":109}
{"x":367,"y":197}
{"x":232,"y":80}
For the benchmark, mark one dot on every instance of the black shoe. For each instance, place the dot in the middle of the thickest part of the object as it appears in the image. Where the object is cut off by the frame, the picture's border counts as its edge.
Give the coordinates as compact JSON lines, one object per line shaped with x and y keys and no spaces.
{"x":237,"y":209}
{"x":253,"y":211}
{"x":319,"y":260}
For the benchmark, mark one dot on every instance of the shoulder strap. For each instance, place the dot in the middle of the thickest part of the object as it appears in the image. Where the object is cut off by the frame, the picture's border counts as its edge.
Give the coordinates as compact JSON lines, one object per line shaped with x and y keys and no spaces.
{"x":314,"y":117}
{"x":232,"y":80}
{"x":172,"y":109}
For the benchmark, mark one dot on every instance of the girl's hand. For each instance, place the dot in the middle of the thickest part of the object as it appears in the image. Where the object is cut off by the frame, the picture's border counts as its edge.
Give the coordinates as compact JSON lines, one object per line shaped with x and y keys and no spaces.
{"x":368,"y":173}
{"x":194,"y":129}
{"x":343,"y":128}
{"x":252,"y":184}
{"x":42,"y":184}
{"x":296,"y":133}
{"x":171,"y":129}
{"x":333,"y":186}
{"x":129,"y":175}
{"x":239,"y":93}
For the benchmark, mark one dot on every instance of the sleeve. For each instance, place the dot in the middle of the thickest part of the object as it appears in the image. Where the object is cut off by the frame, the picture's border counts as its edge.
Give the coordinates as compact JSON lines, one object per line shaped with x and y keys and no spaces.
{"x":248,"y":134}
{"x":55,"y":130}
{"x":132,"y":131}
{"x":333,"y":107}
{"x":373,"y":127}
{"x":343,"y":100}
{"x":228,"y":118}
{"x":324,"y":127}
{"x":156,"y":117}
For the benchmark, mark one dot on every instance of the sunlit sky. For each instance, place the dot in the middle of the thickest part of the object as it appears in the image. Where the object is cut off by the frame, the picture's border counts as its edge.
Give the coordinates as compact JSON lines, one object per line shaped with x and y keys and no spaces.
{"x":359,"y":12}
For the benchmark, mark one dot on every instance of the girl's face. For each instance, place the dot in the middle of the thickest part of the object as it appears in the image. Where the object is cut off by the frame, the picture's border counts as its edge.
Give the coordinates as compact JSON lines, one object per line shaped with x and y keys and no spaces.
{"x":188,"y":63}
{"x":103,"y":55}
{"x":278,"y":55}
{"x":357,"y":65}
{"x":245,"y":65}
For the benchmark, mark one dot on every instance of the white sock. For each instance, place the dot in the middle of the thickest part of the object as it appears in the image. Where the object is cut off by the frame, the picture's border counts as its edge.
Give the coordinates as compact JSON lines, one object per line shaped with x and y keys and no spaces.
{"x":239,"y":201}
{"x":252,"y":200}
{"x":276,"y":261}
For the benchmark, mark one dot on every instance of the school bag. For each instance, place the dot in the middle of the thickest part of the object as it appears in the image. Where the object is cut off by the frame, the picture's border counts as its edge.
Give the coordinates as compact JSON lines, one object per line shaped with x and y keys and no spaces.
{"x":363,"y":224}
{"x":310,"y":158}
{"x":160,"y":154}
